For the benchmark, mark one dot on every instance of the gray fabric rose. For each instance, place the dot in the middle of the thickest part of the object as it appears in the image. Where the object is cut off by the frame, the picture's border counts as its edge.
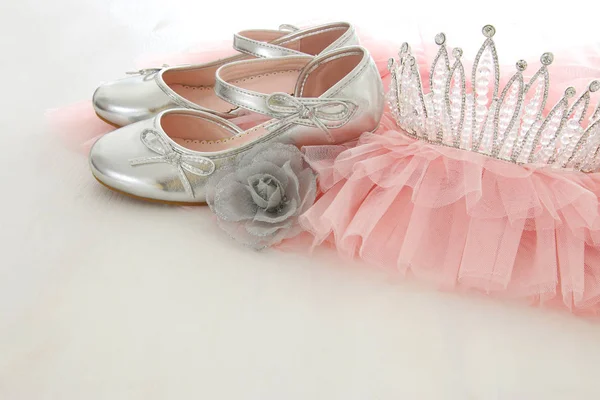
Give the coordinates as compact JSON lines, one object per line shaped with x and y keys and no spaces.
{"x":258,"y":200}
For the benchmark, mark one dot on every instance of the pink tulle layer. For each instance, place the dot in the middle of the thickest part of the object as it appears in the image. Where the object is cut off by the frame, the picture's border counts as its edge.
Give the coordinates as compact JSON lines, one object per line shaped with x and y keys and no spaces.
{"x":461,"y":220}
{"x":456,"y":219}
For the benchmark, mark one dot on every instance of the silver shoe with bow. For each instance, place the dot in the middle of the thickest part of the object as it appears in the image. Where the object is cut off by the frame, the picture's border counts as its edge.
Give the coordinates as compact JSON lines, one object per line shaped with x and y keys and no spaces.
{"x":333,"y":98}
{"x":152,"y":90}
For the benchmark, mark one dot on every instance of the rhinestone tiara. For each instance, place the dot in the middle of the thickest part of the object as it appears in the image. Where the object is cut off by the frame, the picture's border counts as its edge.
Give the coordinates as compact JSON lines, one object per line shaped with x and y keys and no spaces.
{"x":509,"y":125}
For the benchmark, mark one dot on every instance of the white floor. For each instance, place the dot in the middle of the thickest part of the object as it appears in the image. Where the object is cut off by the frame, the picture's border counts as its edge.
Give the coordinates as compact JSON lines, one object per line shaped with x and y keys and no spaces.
{"x":102,"y":297}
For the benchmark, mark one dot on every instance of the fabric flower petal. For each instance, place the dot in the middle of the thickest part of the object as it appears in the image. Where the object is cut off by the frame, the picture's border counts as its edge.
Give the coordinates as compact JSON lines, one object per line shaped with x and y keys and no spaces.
{"x":214,"y":180}
{"x":264,"y":229}
{"x":257,"y":201}
{"x":291,"y":190}
{"x":266,"y":190}
{"x":233,"y":203}
{"x":287,"y":210}
{"x":261,"y":168}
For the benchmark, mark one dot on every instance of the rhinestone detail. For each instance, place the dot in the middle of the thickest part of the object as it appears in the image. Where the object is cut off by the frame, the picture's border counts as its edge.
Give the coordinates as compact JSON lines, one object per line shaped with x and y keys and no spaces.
{"x":507,"y":124}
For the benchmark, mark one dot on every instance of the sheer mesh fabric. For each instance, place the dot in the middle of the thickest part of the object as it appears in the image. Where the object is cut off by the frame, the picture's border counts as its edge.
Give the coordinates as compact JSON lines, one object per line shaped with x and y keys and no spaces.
{"x":459,"y":219}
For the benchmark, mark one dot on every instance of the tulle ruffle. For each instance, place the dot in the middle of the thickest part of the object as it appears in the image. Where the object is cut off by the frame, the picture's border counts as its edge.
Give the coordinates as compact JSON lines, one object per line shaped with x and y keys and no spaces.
{"x":453,"y":218}
{"x":461,"y":220}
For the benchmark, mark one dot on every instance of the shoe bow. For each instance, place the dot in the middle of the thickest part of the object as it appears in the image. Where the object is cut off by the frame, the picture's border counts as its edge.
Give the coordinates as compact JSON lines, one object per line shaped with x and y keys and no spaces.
{"x":321,"y":113}
{"x":148,"y":73}
{"x":168,"y":154}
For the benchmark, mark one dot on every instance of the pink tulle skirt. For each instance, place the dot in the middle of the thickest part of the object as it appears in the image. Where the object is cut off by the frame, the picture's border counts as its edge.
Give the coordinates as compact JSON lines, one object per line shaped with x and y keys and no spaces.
{"x":461,"y":220}
{"x":456,"y":219}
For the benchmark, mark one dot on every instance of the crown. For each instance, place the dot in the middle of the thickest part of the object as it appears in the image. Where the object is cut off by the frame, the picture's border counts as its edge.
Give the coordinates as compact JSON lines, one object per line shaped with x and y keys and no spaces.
{"x":509,"y":125}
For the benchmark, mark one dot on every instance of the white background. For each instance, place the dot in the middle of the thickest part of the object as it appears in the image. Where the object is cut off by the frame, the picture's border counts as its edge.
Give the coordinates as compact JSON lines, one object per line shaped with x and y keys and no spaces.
{"x":103,"y":297}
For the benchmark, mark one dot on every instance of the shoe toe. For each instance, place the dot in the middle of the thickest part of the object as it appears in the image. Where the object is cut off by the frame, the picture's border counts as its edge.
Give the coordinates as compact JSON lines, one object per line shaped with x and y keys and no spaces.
{"x":110,"y":162}
{"x":109,"y":158}
{"x":129,"y":100}
{"x":108,"y":104}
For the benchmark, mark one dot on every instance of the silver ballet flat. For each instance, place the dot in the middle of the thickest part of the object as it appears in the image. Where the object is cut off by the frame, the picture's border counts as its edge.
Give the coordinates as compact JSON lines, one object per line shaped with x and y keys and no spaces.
{"x":152,"y":90}
{"x":168,"y":158}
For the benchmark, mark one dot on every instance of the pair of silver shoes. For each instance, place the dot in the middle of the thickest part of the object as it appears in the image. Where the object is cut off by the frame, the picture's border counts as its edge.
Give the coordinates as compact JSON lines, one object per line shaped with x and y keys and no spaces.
{"x":314,"y":86}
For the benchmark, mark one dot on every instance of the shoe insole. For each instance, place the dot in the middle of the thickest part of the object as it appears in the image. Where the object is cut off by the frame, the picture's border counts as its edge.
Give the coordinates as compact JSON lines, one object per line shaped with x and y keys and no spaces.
{"x":189,"y":133}
{"x":205,"y":96}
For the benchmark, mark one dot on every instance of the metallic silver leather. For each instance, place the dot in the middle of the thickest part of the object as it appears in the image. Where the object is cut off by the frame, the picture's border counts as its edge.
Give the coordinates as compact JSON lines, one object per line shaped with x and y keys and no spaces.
{"x":142,"y":96}
{"x":115,"y":161}
{"x":348,"y":38}
{"x":356,"y":102}
{"x":360,"y":95}
{"x":131,"y":99}
{"x":244,"y":42}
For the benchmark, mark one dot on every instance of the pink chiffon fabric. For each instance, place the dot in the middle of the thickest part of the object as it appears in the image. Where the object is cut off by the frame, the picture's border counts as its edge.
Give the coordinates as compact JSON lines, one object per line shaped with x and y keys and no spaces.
{"x":453,"y":218}
{"x":461,"y":220}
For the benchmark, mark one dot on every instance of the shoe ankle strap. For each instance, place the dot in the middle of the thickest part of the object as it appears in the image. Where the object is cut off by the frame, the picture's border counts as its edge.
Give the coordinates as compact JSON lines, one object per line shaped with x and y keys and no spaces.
{"x":256,"y":42}
{"x":323,"y":113}
{"x":287,"y":40}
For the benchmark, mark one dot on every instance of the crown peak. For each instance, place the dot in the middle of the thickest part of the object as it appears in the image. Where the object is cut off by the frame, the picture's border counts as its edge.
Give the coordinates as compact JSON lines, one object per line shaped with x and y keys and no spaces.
{"x":440,"y":38}
{"x":570,"y":92}
{"x":547,"y":58}
{"x":511,"y":124}
{"x":405,"y":48}
{"x":391,"y":63}
{"x":488,"y":31}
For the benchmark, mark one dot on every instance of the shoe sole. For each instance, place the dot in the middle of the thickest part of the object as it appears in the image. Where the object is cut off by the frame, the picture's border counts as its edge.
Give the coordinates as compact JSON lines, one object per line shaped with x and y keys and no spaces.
{"x":108,"y":122}
{"x":166,"y":202}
